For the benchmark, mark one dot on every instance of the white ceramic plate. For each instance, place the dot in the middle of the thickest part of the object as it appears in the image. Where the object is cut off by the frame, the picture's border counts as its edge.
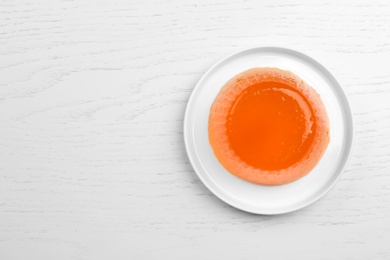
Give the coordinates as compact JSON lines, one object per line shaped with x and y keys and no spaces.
{"x":257,"y":198}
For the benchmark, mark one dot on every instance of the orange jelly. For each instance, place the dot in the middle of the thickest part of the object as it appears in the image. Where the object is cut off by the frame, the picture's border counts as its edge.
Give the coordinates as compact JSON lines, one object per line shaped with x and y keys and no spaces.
{"x":269,"y":127}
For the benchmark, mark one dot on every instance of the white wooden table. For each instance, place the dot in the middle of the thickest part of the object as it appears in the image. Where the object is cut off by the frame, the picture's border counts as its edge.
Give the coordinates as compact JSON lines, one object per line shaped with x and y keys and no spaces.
{"x":92,"y":100}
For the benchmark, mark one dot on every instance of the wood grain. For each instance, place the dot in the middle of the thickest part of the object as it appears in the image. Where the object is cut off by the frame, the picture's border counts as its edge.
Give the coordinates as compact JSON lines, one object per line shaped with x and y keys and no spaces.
{"x":92,"y":100}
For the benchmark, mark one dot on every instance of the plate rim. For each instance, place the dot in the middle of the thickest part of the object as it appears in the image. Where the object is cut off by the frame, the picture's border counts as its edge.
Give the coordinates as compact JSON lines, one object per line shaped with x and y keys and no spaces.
{"x":345,"y":105}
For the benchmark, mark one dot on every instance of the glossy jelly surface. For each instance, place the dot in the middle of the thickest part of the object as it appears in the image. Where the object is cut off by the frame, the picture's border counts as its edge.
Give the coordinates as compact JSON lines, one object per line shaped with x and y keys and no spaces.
{"x":268,"y":126}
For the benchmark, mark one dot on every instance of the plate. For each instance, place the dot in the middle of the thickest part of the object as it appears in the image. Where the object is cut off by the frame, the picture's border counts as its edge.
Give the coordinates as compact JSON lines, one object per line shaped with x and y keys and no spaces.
{"x":258,"y":199}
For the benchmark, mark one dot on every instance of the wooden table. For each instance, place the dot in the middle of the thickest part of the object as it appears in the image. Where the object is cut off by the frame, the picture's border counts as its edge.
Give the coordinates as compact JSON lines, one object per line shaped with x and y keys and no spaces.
{"x":92,"y":158}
